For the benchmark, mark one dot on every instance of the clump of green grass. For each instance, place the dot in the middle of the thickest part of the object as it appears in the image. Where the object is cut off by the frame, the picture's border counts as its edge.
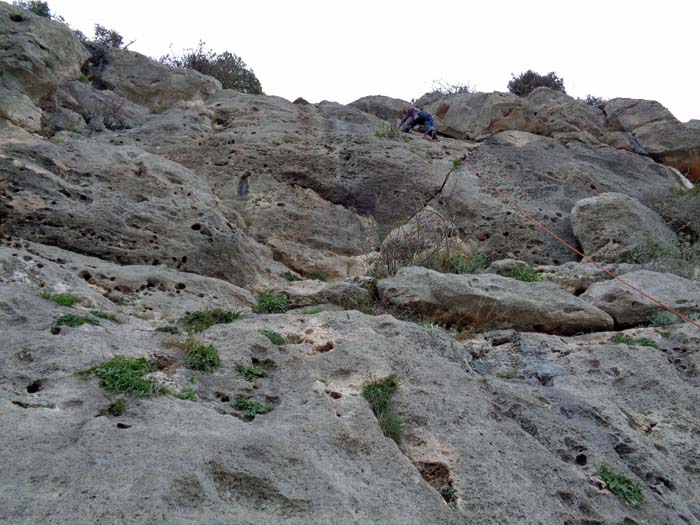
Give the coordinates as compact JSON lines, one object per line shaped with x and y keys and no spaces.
{"x":201,"y":320}
{"x":199,"y":356}
{"x":642,"y":341}
{"x":626,"y":490}
{"x":251,"y":372}
{"x":187,"y":394}
{"x":118,"y":407}
{"x":252,"y":408}
{"x":664,"y":318}
{"x":388,"y":130}
{"x":378,"y":394}
{"x":168,"y":329}
{"x":525,"y":273}
{"x":289,"y":276}
{"x":311,"y":310}
{"x":272,"y":304}
{"x":75,"y":320}
{"x":510,"y":374}
{"x":63,"y":299}
{"x":456,"y":163}
{"x":104,"y":315}
{"x":274,"y":337}
{"x":124,"y":375}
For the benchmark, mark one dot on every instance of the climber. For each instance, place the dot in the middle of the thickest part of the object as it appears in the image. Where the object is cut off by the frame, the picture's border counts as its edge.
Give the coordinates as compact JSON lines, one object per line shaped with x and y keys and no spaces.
{"x":413,"y":116}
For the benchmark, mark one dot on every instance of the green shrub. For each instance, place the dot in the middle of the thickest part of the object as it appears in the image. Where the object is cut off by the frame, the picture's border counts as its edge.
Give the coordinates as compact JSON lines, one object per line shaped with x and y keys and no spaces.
{"x":388,"y":130}
{"x":642,"y":341}
{"x":75,"y":320}
{"x":201,"y":320}
{"x":104,"y":315}
{"x":626,"y":490}
{"x":107,"y":37}
{"x":124,"y":375}
{"x":596,"y":102}
{"x":64,"y":299}
{"x":378,"y":394}
{"x":289,"y":276}
{"x":251,"y":372}
{"x":525,"y":273}
{"x":274,"y":337}
{"x":252,"y":408}
{"x":226,"y":67}
{"x":38,"y":8}
{"x":272,"y":304}
{"x":525,"y":83}
{"x":199,"y":356}
{"x":446,"y":263}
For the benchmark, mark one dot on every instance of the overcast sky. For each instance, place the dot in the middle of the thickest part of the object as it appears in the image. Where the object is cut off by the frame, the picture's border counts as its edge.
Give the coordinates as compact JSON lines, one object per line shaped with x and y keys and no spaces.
{"x":341,"y":51}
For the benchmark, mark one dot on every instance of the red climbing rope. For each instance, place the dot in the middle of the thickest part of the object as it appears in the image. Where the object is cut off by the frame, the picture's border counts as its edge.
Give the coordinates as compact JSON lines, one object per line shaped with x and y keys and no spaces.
{"x":524,"y":213}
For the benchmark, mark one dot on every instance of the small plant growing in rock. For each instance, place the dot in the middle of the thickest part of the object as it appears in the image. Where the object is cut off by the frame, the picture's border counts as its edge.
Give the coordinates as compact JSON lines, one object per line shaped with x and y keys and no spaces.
{"x":378,"y":394}
{"x":202,"y":319}
{"x":75,"y":320}
{"x":274,"y":337}
{"x":63,"y":299}
{"x":104,"y":315}
{"x":388,"y":130}
{"x":199,"y":356}
{"x":664,"y":318}
{"x":510,"y":374}
{"x":124,"y":375}
{"x":118,"y":407}
{"x":626,"y":490}
{"x":289,"y":276}
{"x":525,"y":273}
{"x":311,"y":310}
{"x":251,"y":408}
{"x":642,"y":341}
{"x":252,"y":372}
{"x":168,"y":329}
{"x":272,"y":304}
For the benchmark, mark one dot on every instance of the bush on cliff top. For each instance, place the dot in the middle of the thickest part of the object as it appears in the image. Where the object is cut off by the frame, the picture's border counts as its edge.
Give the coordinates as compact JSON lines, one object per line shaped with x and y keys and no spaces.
{"x":526,"y":82}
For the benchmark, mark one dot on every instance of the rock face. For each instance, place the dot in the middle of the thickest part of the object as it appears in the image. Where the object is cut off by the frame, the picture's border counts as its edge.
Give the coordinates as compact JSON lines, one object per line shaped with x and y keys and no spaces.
{"x":147,"y":83}
{"x":147,"y":194}
{"x":36,"y":56}
{"x":489,"y":301}
{"x":628,"y":308}
{"x":614,"y":227}
{"x":660,"y":134}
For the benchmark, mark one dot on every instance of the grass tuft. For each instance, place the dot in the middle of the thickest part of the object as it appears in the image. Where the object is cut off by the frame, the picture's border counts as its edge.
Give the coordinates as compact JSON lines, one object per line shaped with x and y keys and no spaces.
{"x":168,"y":329}
{"x":199,"y":356}
{"x":378,"y":394}
{"x":510,"y":374}
{"x":274,"y":337}
{"x":201,"y":320}
{"x":626,"y":490}
{"x":642,"y":341}
{"x":251,"y":372}
{"x":289,"y":276}
{"x":252,"y":408}
{"x":272,"y":304}
{"x":75,"y":320}
{"x":118,"y":407}
{"x":525,"y":273}
{"x":104,"y":315}
{"x":124,"y":375}
{"x":63,"y":299}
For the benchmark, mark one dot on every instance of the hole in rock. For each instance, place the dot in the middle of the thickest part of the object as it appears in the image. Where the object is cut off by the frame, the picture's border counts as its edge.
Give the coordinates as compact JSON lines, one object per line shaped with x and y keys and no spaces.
{"x":34,"y":387}
{"x":196,"y":227}
{"x":437,"y":475}
{"x":581,"y":460}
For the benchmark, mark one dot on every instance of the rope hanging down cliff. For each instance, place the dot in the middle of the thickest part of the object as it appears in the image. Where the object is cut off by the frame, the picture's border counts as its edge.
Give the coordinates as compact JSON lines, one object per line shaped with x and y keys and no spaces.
{"x":526,"y":215}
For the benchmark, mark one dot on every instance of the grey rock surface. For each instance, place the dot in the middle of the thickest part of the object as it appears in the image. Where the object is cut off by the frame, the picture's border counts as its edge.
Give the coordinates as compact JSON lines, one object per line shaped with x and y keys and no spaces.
{"x":614,"y":227}
{"x":629,"y":308}
{"x":385,"y":108}
{"x":489,"y":301}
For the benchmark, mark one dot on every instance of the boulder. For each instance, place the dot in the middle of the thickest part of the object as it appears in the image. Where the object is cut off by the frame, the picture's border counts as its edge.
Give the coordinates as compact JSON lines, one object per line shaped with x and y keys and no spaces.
{"x":489,"y":301}
{"x":147,"y":83}
{"x":614,"y":227}
{"x":630,"y":308}
{"x":663,"y":136}
{"x":576,"y":277}
{"x":385,"y":108}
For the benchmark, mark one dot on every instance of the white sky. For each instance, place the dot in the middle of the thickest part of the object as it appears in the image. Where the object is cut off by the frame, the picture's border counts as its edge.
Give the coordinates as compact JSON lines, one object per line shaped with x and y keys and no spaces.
{"x":343,"y":51}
